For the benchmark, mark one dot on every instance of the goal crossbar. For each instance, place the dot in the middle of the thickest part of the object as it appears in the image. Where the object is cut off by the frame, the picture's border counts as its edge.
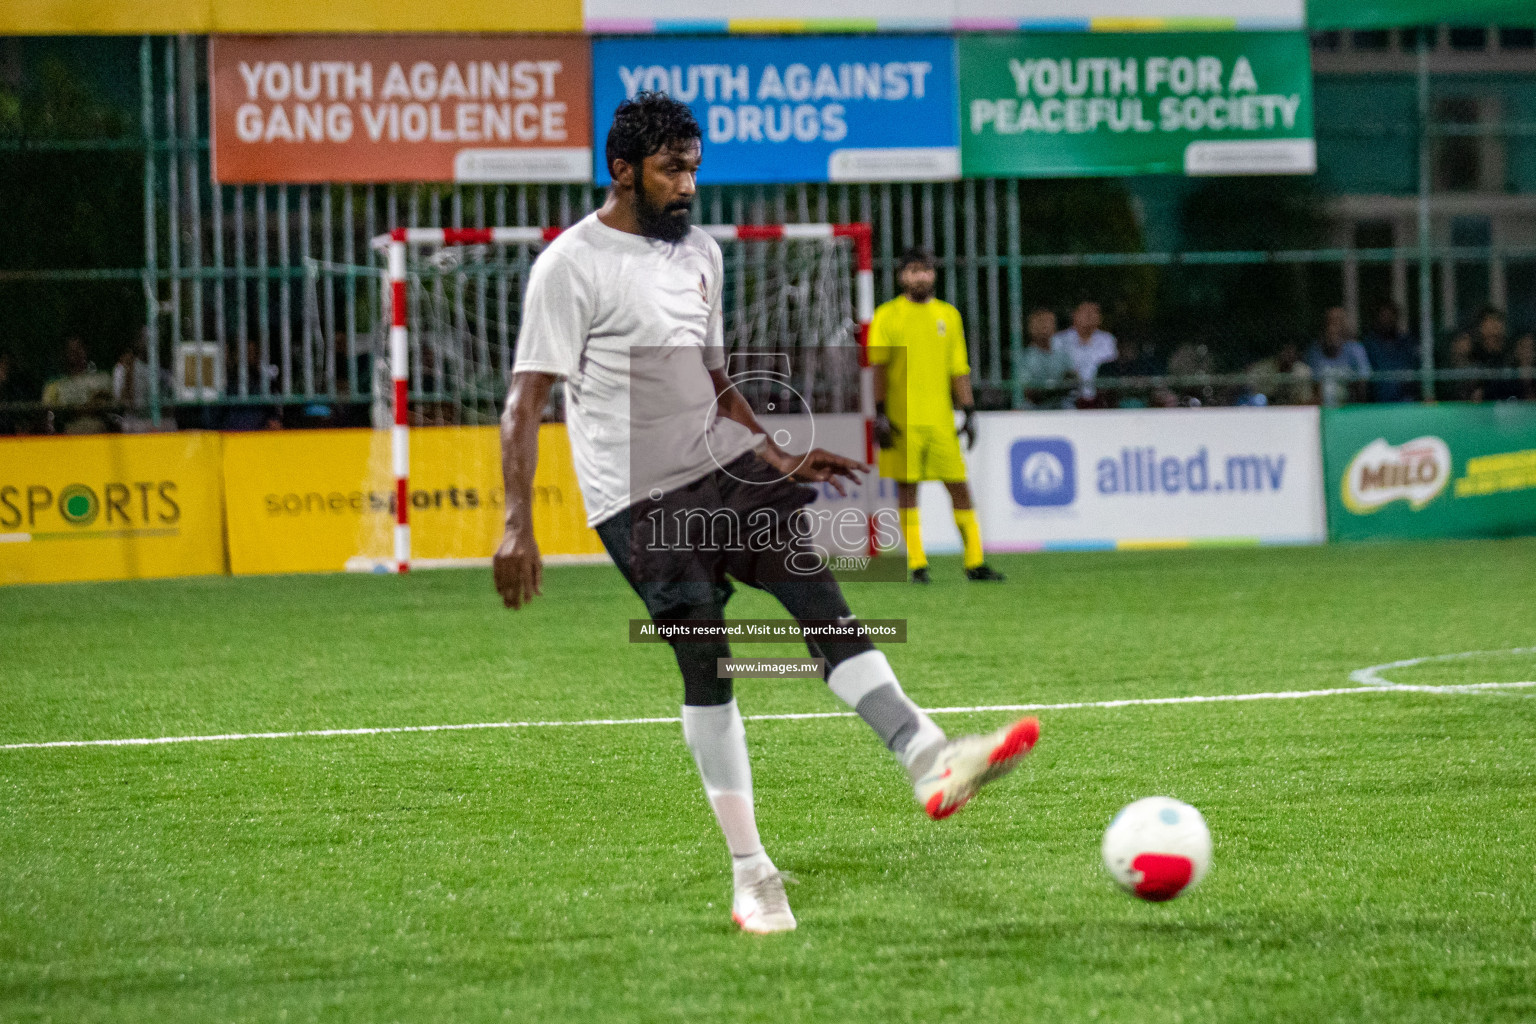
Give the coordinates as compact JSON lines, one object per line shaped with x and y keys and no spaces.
{"x":397,"y":243}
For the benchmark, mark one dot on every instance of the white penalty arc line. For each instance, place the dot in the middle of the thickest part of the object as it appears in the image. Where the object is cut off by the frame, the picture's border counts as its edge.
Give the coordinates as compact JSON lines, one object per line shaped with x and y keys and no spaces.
{"x":1371,"y":677}
{"x":1379,"y":685}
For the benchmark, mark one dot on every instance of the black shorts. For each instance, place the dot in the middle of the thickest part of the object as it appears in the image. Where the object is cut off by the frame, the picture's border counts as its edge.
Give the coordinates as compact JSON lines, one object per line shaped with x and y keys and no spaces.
{"x":744,"y":521}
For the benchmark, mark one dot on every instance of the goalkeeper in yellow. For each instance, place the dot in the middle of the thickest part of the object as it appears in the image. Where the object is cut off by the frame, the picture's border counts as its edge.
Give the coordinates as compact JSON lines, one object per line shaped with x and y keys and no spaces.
{"x":917,"y":349}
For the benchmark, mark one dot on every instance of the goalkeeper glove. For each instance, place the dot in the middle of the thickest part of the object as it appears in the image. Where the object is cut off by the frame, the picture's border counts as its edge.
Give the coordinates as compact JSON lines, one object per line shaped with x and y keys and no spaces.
{"x":968,"y":426}
{"x":885,"y":430}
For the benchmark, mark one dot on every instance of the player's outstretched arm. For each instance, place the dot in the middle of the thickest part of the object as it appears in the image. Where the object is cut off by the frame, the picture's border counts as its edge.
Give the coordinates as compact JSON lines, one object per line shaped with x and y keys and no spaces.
{"x":516,"y":567}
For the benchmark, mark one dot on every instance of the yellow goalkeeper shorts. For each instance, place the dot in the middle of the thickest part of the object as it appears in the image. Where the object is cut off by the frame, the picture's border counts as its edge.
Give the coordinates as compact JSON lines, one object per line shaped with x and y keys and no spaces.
{"x":923,"y":453}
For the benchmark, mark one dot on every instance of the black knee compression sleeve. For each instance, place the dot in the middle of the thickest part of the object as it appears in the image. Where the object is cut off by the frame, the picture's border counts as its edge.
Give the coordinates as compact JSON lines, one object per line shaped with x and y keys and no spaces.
{"x":701,"y":683}
{"x":819,"y":598}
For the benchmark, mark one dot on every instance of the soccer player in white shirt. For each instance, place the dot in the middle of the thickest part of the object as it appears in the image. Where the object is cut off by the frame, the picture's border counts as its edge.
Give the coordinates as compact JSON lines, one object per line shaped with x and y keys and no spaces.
{"x":626,"y":306}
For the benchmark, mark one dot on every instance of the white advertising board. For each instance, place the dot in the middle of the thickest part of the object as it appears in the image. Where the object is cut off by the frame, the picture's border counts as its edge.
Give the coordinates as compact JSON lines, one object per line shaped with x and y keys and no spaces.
{"x":1139,"y":478}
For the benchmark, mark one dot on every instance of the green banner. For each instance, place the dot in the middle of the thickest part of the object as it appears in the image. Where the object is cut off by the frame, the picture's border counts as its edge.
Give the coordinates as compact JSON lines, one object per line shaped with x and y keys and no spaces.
{"x":1452,"y":470}
{"x":1053,"y":105}
{"x":1332,"y":14}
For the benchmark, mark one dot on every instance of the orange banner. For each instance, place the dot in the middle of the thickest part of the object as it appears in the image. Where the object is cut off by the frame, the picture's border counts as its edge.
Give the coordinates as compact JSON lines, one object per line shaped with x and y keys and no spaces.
{"x":401,"y":108}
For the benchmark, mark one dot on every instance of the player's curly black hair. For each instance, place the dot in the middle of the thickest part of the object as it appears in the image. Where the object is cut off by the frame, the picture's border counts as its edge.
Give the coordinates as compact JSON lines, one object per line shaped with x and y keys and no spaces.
{"x":917,"y":254}
{"x":647,"y":124}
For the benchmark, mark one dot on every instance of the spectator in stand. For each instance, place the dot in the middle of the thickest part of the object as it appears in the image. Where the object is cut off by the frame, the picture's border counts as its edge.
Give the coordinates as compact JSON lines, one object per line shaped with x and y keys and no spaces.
{"x":1459,"y":357}
{"x":1490,"y":353}
{"x":1389,"y":349}
{"x":131,"y":382}
{"x":1133,"y":360}
{"x":10,"y":393}
{"x":1193,"y":359}
{"x":1089,"y":348}
{"x":77,"y":401}
{"x":1282,"y":379}
{"x":252,"y":416}
{"x":1338,"y":361}
{"x":1525,"y":364}
{"x":1046,"y":373}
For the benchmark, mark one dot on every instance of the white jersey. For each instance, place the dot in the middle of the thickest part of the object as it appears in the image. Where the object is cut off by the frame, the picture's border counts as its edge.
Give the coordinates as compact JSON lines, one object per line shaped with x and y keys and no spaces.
{"x":1087,"y":356}
{"x":634,"y":326}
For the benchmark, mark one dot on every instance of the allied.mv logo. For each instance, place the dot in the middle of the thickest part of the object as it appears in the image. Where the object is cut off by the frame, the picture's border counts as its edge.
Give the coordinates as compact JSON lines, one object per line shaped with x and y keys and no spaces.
{"x":1042,"y":471}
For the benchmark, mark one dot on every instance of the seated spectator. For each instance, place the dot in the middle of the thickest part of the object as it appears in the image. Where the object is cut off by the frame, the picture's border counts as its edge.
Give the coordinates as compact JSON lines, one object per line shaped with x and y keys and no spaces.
{"x":1046,"y":374}
{"x":1193,"y":359}
{"x":1134,"y":360}
{"x":77,"y":401}
{"x":10,"y":394}
{"x":1088,"y":347}
{"x":131,"y":382}
{"x":1338,"y":361}
{"x":1388,"y":348}
{"x":1489,"y":353}
{"x":251,"y":416}
{"x":1524,"y":363}
{"x":1459,"y":357}
{"x":256,"y":371}
{"x":1282,"y":379}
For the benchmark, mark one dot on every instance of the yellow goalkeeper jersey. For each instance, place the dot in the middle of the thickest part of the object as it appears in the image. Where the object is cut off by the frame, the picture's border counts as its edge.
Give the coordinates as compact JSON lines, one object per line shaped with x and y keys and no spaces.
{"x":922,"y":346}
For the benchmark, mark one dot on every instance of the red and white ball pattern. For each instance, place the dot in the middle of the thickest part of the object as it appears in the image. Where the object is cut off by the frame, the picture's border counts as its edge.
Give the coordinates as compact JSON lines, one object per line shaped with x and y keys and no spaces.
{"x":1157,"y":848}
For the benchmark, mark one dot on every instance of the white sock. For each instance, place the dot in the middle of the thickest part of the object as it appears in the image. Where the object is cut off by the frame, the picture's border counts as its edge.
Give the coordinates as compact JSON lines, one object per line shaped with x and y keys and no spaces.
{"x":719,"y":744}
{"x":866,"y":683}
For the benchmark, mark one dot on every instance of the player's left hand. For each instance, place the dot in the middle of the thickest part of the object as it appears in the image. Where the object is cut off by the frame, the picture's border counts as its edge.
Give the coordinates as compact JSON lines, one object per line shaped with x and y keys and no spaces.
{"x":968,"y":429}
{"x":818,"y":466}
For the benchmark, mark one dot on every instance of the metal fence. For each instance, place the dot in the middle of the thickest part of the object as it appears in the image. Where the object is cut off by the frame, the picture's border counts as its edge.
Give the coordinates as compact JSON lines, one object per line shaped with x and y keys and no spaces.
{"x":273,"y":280}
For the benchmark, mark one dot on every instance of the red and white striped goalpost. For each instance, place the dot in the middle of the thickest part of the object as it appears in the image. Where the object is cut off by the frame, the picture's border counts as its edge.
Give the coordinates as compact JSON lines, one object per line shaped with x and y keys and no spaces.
{"x":396,"y":243}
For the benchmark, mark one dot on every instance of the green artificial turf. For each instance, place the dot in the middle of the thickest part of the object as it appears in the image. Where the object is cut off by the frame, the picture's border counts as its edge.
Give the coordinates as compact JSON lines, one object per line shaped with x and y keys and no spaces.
{"x":1375,"y":853}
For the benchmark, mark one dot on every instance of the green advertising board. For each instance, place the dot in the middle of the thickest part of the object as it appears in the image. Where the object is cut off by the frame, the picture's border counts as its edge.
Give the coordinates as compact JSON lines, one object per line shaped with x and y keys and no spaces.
{"x":1051,"y":105}
{"x":1452,"y":470}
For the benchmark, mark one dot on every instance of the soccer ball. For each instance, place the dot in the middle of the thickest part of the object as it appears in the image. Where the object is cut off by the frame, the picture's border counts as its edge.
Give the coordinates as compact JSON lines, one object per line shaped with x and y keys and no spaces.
{"x":1157,"y":847}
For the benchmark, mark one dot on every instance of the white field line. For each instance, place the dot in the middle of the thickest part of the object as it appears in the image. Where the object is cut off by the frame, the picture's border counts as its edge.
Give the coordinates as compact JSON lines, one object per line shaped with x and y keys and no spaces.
{"x":1376,"y":684}
{"x":1371,"y":676}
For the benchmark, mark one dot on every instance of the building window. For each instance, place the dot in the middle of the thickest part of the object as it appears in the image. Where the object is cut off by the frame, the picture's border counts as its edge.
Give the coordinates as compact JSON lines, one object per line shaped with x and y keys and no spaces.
{"x":1376,"y":39}
{"x":1328,"y":41}
{"x":1456,"y":156}
{"x":1468,"y":160}
{"x":1469,"y":38}
{"x":1517,"y":38}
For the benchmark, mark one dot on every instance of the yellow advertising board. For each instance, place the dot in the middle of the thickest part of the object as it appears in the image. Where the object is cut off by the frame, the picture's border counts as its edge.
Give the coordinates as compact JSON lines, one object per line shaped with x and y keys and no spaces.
{"x":317,"y":500}
{"x":156,"y":17}
{"x":114,"y":507}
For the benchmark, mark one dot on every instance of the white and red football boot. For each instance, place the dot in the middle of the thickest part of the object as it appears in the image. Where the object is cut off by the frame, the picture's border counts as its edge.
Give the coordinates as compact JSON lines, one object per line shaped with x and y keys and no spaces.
{"x":760,"y":904}
{"x":966,"y":764}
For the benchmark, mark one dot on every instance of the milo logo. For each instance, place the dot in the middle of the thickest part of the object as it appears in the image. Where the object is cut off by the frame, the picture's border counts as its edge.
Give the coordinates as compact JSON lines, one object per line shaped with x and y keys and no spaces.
{"x":1415,"y":471}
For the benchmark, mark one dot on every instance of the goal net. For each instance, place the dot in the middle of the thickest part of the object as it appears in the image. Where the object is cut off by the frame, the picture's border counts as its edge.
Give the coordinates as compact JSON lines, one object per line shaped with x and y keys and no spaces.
{"x":796,"y":300}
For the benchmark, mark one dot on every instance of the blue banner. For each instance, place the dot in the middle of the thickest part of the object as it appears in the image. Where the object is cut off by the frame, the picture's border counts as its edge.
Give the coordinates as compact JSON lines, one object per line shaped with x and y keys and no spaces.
{"x":796,"y":109}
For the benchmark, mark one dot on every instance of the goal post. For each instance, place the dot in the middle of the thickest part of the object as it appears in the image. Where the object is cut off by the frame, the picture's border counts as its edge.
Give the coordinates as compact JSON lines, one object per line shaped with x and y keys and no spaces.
{"x":791,"y":300}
